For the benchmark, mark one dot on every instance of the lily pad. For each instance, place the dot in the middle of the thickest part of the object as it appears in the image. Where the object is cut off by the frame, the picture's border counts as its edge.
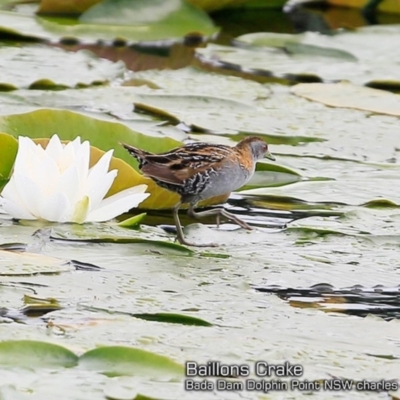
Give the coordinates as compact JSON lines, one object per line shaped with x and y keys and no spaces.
{"x":191,"y":109}
{"x":16,"y":264}
{"x":34,"y":354}
{"x":78,"y":6}
{"x":8,"y":151}
{"x":173,"y":319}
{"x":347,"y":95}
{"x":119,"y":361}
{"x":104,"y":238}
{"x":107,"y":103}
{"x":137,"y":20}
{"x":19,"y":68}
{"x":271,"y":174}
{"x":132,"y":222}
{"x":65,"y":7}
{"x":346,"y":55}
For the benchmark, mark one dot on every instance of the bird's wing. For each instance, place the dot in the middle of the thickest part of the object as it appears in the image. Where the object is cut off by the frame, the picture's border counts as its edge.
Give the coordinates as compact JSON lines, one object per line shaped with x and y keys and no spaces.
{"x":180,"y":164}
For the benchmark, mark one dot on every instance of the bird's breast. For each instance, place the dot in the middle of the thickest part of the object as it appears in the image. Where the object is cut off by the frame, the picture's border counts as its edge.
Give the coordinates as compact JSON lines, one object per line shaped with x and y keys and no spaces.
{"x":215,"y":182}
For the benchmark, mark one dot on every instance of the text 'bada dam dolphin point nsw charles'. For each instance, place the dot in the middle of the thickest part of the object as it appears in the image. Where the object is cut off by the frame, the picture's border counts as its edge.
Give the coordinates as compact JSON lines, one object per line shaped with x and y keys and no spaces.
{"x":199,"y":200}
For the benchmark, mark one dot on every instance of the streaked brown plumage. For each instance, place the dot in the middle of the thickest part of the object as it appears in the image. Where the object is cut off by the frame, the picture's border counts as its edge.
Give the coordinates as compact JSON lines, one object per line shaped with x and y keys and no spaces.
{"x":199,"y":171}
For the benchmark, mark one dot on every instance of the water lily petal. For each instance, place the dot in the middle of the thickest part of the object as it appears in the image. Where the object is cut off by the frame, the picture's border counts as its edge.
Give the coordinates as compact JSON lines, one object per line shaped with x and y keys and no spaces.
{"x":54,"y":148}
{"x":98,"y":193}
{"x":45,"y":173}
{"x":76,"y":143}
{"x":30,"y":194}
{"x":56,"y":208}
{"x":82,"y":159}
{"x":69,"y":184}
{"x":118,"y":203}
{"x":67,"y":157}
{"x":15,"y":210}
{"x":10,"y":193}
{"x":25,"y":155}
{"x":98,"y":170}
{"x":99,"y":180}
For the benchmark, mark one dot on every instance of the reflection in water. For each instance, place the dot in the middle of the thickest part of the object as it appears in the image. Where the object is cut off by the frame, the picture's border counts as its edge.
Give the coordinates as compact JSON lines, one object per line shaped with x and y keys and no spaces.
{"x":296,"y":19}
{"x":356,"y":300}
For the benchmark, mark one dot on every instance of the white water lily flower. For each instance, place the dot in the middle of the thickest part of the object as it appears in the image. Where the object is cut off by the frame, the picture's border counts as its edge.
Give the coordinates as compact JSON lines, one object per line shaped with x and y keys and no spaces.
{"x":56,"y":184}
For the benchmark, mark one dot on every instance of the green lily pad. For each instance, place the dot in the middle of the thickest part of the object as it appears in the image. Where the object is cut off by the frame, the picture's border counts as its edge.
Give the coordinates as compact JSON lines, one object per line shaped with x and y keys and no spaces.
{"x":173,"y":319}
{"x":132,"y":222}
{"x":74,"y":7}
{"x":119,"y":361}
{"x":104,"y":238}
{"x":133,"y":20}
{"x":43,"y":67}
{"x":34,"y":354}
{"x":143,"y":20}
{"x":8,"y":151}
{"x":380,"y":203}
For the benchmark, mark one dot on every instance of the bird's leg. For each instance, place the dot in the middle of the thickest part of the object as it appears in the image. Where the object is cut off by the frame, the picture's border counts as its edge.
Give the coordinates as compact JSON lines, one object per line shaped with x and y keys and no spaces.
{"x":179,"y":230}
{"x":218,"y":212}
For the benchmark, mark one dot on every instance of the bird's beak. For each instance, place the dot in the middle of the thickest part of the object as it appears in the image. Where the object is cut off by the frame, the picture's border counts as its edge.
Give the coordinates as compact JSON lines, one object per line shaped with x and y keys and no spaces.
{"x":269,"y":156}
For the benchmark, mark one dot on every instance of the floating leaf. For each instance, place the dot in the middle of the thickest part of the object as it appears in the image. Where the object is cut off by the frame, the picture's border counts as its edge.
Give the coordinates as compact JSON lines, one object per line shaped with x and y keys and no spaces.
{"x":380,"y":203}
{"x":173,"y":319}
{"x":15,"y":264}
{"x":133,"y":20}
{"x":347,"y":95}
{"x":152,"y":19}
{"x":34,"y":354}
{"x":119,"y":360}
{"x":256,"y":198}
{"x":125,"y":240}
{"x":65,"y":7}
{"x":50,"y":68}
{"x":191,"y":109}
{"x":8,"y":151}
{"x":346,"y":55}
{"x":271,"y":174}
{"x":132,"y":222}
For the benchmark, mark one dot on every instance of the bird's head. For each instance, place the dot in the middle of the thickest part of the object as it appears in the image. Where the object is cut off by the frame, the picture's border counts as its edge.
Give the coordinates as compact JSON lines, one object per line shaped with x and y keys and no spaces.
{"x":257,"y":146}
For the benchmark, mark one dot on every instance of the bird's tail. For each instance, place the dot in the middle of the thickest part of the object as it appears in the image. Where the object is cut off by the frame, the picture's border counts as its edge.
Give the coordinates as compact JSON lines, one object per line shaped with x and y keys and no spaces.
{"x":139,"y":154}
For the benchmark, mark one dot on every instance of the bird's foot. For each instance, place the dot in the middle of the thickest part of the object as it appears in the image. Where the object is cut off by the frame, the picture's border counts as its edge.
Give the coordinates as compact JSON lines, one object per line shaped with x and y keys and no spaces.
{"x":237,"y":220}
{"x":218,"y":213}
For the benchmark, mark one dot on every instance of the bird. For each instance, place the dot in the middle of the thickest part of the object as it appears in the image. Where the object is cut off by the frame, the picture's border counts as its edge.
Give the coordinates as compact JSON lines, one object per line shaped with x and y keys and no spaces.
{"x":199,"y":171}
